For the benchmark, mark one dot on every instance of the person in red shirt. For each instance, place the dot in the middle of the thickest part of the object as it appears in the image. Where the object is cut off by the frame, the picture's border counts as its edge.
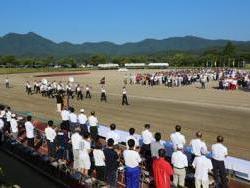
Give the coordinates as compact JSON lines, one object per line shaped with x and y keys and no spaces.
{"x":162,"y":171}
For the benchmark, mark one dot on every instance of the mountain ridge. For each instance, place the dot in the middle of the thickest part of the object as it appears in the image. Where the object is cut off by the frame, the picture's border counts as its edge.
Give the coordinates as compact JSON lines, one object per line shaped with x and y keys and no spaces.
{"x":37,"y":45}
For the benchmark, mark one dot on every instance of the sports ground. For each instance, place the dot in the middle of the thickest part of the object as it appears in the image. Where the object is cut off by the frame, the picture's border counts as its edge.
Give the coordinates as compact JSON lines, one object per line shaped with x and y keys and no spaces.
{"x":211,"y":111}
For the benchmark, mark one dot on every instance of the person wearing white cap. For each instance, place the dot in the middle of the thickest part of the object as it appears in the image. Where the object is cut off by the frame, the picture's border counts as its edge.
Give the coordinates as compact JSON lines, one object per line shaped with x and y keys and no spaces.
{"x":179,"y":162}
{"x":202,"y":166}
{"x":14,"y":126}
{"x":82,"y":120}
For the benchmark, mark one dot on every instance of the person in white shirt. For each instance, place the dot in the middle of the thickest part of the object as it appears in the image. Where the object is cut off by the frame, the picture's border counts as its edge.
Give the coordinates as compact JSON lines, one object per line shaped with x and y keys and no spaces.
{"x":124,"y":96}
{"x":88,"y":95}
{"x":112,"y":134}
{"x":180,"y":163}
{"x":103,"y":94}
{"x":8,"y":118}
{"x":29,"y":127}
{"x":72,"y":119}
{"x":202,"y":166}
{"x":1,"y":129}
{"x":50,"y":135}
{"x":82,"y":120}
{"x":84,"y":159}
{"x":93,"y":124}
{"x":7,"y":83}
{"x":177,"y":138}
{"x":76,"y":139}
{"x":197,"y":144}
{"x":14,"y":126}
{"x":219,"y":154}
{"x":147,"y":138}
{"x":99,"y":159}
{"x":132,"y":170}
{"x":65,"y":118}
{"x":132,"y":136}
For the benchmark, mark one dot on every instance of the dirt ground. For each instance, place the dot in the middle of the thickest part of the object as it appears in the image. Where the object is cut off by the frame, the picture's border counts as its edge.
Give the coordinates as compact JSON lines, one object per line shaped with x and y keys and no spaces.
{"x":211,"y":111}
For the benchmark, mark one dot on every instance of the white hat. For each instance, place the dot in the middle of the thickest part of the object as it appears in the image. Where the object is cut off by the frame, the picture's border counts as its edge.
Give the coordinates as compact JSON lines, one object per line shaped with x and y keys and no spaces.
{"x":13,"y":115}
{"x":179,"y":146}
{"x":82,"y":110}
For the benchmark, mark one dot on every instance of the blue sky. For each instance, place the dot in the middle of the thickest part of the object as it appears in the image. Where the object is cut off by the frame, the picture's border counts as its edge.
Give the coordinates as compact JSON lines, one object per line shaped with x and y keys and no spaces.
{"x":122,"y":21}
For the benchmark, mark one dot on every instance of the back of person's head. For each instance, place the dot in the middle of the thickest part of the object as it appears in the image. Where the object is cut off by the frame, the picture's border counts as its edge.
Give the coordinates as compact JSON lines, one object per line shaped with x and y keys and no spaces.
{"x":50,"y":123}
{"x":131,"y":131}
{"x":86,"y":135}
{"x":29,"y":118}
{"x":198,"y":134}
{"x":178,"y":128}
{"x":157,"y":136}
{"x":162,"y":153}
{"x":98,"y":145}
{"x":112,"y":126}
{"x":220,"y":139}
{"x":72,"y":110}
{"x":147,"y":126}
{"x":131,"y":143}
{"x":110,"y":142}
{"x":92,"y":113}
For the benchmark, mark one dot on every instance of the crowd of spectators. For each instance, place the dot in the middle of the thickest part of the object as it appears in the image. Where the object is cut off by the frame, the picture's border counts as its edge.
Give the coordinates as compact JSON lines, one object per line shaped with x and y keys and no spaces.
{"x":76,"y":143}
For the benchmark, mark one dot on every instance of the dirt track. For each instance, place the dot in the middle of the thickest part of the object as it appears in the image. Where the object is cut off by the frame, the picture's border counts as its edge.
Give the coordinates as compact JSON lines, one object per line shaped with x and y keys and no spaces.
{"x":211,"y":111}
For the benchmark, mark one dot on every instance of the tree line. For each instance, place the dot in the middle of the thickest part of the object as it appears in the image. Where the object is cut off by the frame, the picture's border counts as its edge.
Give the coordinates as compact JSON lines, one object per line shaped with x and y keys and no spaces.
{"x":228,"y":56}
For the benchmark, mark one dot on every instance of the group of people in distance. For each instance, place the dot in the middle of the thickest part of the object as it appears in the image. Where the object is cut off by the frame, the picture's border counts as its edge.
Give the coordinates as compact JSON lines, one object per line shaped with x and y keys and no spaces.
{"x":76,"y":142}
{"x":228,"y":78}
{"x":62,"y":92}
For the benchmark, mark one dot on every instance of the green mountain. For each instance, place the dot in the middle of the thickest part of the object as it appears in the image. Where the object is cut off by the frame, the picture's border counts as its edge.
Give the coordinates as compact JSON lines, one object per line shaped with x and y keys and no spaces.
{"x":31,"y":44}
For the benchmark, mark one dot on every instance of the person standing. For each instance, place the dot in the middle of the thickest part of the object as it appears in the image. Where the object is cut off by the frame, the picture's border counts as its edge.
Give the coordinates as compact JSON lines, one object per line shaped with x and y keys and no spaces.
{"x":113,"y":134}
{"x":202,"y":167}
{"x":124,"y":96}
{"x":99,"y":160}
{"x":14,"y":126}
{"x":177,"y":138}
{"x":162,"y":170}
{"x":180,"y":163}
{"x":103,"y":94}
{"x":29,"y":127}
{"x":7,"y":83}
{"x":50,"y":135}
{"x":7,"y":119}
{"x":132,"y":136}
{"x":111,"y":161}
{"x":156,"y":146}
{"x":219,"y":154}
{"x":72,"y":119}
{"x":79,"y":92}
{"x":147,"y":138}
{"x":88,"y":95}
{"x":59,"y":102}
{"x":132,"y":169}
{"x":84,"y":159}
{"x":93,"y":124}
{"x":82,"y":120}
{"x":1,"y":130}
{"x":76,"y":139}
{"x":197,"y":144}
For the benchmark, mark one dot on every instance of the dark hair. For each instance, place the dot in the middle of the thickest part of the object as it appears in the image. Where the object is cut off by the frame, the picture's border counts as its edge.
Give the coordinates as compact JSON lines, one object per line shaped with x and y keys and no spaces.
{"x":92,"y":113}
{"x":86,"y":135}
{"x":29,"y":118}
{"x":98,"y":145}
{"x":147,"y":126}
{"x":220,"y":139}
{"x":178,"y":128}
{"x":72,"y":110}
{"x":112,"y":126}
{"x":162,"y":152}
{"x":157,"y":136}
{"x":110,"y":142}
{"x":199,"y":134}
{"x":131,"y":143}
{"x":50,"y":123}
{"x":131,"y":131}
